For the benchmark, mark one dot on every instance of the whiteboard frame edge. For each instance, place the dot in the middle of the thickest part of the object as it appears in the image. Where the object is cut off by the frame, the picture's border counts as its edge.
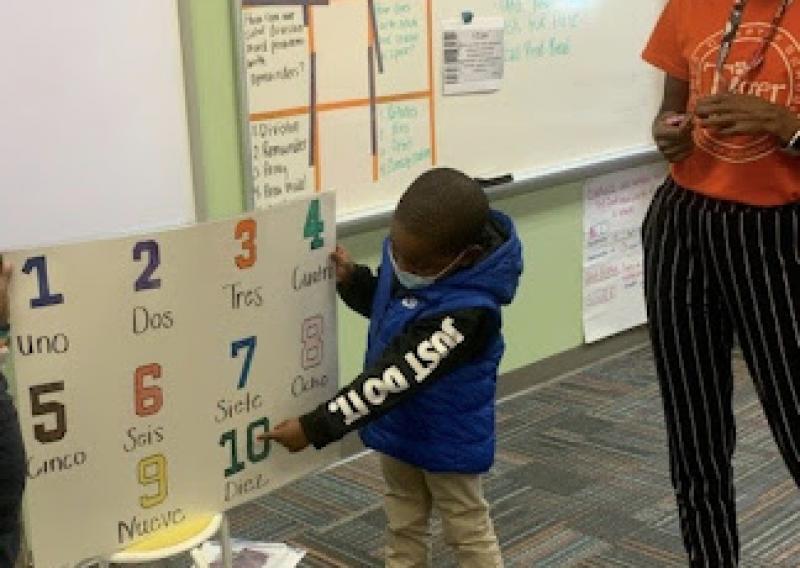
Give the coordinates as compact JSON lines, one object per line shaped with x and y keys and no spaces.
{"x":524,"y":183}
{"x":243,"y":100}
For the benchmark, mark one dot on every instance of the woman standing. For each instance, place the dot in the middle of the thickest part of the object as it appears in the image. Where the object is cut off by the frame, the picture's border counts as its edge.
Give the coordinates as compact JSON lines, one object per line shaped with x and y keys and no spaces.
{"x":721,"y":242}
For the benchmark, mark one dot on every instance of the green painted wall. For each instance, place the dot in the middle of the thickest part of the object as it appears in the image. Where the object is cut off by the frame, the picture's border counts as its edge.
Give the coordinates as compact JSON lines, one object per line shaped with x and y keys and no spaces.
{"x":546,"y":317}
{"x":217,"y":103}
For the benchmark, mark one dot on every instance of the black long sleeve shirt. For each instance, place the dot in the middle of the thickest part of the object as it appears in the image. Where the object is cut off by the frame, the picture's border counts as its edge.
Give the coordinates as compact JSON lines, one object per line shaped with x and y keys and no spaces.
{"x":427,"y":350}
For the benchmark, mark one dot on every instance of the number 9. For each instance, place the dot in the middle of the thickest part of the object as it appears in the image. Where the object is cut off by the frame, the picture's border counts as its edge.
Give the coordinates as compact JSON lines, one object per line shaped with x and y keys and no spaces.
{"x":153,"y":471}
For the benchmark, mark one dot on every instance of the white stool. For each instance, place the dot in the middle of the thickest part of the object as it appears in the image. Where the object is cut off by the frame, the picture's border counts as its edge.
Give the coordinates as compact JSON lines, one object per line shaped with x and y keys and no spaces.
{"x":189,"y":537}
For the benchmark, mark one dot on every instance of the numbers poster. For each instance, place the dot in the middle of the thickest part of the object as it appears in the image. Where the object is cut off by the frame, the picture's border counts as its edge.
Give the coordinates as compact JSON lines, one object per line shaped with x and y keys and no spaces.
{"x":147,"y":367}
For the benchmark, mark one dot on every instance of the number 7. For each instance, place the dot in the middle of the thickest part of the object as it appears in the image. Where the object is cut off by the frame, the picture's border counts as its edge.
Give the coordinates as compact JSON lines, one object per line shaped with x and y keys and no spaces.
{"x":248,"y":343}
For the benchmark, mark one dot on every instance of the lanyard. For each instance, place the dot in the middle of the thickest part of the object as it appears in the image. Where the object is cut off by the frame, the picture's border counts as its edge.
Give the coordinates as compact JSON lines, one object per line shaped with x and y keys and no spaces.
{"x":731,"y":29}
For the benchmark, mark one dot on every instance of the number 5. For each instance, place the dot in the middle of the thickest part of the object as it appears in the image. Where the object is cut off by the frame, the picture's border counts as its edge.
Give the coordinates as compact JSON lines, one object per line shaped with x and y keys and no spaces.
{"x":39,"y":408}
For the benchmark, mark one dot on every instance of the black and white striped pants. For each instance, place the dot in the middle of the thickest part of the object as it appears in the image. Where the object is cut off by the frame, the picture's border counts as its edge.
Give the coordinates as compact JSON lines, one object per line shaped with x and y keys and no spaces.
{"x":712,"y":269}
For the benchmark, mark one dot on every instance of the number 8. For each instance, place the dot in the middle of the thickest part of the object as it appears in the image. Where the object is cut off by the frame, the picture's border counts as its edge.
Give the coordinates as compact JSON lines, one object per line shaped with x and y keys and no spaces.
{"x":313,"y":342}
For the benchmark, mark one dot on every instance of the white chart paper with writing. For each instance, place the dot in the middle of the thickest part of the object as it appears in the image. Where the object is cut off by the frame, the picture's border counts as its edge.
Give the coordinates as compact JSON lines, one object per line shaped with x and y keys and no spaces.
{"x":148,"y":366}
{"x":613,"y":285}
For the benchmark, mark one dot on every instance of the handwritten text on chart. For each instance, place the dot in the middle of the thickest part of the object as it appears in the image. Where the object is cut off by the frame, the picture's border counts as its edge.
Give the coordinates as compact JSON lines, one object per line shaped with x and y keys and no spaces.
{"x":403,"y":144}
{"x":538,"y":29}
{"x":280,"y":157}
{"x":614,"y":206}
{"x":400,"y":31}
{"x":275,"y":46}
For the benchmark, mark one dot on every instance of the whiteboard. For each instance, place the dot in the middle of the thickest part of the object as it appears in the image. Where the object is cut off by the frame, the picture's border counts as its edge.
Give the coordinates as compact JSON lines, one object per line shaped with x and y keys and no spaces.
{"x":347,"y":94}
{"x":94,"y":137}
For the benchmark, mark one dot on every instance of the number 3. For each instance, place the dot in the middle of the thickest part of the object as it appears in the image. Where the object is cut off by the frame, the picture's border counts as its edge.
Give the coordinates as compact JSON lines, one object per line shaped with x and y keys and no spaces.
{"x":246,"y":227}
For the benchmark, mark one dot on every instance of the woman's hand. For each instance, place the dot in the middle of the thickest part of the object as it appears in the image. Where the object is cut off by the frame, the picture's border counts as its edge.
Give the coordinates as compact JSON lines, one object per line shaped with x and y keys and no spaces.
{"x":672,"y":133}
{"x":730,"y":114}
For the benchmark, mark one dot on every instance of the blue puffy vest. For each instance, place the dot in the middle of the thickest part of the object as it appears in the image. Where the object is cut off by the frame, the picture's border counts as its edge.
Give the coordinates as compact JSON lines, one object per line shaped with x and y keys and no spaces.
{"x":449,"y":426}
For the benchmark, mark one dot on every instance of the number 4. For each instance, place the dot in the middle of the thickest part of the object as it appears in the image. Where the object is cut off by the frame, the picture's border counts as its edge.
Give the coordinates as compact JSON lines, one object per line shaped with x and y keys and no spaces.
{"x":315,"y":226}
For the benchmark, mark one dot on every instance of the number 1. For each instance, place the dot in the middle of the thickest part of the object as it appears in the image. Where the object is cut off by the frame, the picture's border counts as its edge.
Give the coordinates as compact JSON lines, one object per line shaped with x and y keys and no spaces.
{"x":46,"y":298}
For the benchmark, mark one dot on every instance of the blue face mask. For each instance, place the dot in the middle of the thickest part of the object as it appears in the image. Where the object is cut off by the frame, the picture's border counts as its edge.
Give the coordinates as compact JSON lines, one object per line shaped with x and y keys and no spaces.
{"x":411,"y":281}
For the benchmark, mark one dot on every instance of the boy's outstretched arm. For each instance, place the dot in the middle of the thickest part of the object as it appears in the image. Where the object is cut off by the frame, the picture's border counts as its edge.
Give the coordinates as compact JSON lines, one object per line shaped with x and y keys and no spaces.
{"x":428,"y":350}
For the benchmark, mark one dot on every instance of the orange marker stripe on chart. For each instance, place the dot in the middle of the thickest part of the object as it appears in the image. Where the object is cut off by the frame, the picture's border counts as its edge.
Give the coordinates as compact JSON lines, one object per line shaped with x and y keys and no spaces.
{"x":432,"y":103}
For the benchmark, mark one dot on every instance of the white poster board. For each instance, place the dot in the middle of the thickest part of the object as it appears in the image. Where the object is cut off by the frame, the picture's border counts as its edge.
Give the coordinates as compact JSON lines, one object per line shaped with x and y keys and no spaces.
{"x":613,"y":284}
{"x":147,"y":366}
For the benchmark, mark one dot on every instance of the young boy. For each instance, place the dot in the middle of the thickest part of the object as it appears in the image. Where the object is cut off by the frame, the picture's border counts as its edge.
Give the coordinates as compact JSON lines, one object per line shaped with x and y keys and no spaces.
{"x":426,"y":398}
{"x":12,"y":454}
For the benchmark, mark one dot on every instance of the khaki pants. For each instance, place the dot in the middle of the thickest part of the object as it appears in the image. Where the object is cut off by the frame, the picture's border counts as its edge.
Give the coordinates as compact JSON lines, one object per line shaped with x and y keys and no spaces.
{"x":411,"y":494}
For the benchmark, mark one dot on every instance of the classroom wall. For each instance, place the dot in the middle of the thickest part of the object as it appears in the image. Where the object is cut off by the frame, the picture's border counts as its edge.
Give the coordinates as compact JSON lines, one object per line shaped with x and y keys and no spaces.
{"x":546,"y":317}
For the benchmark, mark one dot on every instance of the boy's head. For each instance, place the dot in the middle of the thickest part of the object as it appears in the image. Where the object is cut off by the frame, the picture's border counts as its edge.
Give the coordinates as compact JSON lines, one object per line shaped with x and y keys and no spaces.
{"x":438,"y":223}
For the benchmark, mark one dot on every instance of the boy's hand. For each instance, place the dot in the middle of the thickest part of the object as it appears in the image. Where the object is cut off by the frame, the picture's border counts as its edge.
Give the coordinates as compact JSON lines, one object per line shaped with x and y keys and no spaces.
{"x":288,"y":434}
{"x":344,"y":265}
{"x":5,"y":278}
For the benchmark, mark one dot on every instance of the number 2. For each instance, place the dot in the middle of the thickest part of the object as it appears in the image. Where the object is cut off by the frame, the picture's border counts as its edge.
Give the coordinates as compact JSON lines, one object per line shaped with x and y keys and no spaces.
{"x":153,"y":471}
{"x":248,"y":228}
{"x":146,"y":280}
{"x":39,"y":408}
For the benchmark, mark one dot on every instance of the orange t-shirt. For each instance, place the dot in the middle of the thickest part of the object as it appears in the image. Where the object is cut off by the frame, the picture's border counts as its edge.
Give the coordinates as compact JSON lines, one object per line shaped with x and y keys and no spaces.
{"x":685,"y":44}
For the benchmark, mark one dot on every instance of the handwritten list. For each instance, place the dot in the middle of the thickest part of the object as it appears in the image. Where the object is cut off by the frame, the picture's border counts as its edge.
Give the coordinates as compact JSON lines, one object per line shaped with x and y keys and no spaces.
{"x":613,"y":275}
